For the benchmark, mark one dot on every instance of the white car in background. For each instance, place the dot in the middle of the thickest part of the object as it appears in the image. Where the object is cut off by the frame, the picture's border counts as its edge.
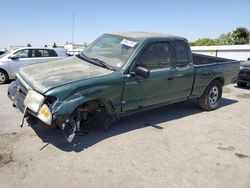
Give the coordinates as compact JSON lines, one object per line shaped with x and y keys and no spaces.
{"x":11,"y":61}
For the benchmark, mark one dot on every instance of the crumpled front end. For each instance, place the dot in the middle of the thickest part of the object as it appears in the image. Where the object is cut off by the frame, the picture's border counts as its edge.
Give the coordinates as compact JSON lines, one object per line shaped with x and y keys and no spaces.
{"x":32,"y":104}
{"x":29,"y":102}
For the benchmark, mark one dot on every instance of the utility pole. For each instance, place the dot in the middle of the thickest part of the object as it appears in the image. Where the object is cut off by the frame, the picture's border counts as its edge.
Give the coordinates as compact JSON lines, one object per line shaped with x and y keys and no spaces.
{"x":73,"y":28}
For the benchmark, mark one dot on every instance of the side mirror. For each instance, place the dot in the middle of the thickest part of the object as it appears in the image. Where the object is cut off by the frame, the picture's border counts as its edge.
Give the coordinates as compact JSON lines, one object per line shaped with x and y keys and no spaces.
{"x":143,"y":72}
{"x":248,"y":59}
{"x":14,"y":56}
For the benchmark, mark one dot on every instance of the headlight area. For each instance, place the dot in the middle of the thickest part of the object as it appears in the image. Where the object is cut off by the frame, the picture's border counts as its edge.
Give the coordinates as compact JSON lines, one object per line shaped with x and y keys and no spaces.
{"x":34,"y":100}
{"x":40,"y":106}
{"x":45,"y":115}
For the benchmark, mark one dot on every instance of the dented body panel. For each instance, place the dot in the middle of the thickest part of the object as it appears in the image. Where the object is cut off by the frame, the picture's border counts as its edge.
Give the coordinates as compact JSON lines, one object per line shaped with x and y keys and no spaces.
{"x":108,"y":87}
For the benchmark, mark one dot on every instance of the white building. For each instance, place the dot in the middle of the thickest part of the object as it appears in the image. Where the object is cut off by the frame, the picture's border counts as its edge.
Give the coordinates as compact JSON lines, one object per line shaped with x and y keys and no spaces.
{"x":237,"y":52}
{"x":74,"y":49}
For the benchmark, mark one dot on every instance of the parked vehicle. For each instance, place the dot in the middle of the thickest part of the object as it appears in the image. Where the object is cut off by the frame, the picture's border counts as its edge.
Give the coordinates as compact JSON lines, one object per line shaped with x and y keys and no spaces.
{"x":119,"y":74}
{"x":244,"y":75}
{"x":2,"y":52}
{"x":11,"y":61}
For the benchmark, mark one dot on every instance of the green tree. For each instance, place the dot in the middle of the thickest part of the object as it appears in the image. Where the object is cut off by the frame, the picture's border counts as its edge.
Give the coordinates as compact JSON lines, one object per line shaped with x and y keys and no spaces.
{"x":45,"y":45}
{"x":28,"y":45}
{"x":241,"y":35}
{"x":204,"y":42}
{"x":225,"y":39}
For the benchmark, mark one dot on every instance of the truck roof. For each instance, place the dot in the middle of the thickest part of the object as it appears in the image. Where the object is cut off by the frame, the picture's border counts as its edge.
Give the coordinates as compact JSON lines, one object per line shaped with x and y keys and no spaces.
{"x":145,"y":35}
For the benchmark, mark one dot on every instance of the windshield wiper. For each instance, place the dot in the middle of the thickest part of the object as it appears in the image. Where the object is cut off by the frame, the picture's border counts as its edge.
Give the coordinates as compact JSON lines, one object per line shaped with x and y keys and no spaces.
{"x":103,"y":64}
{"x":97,"y":62}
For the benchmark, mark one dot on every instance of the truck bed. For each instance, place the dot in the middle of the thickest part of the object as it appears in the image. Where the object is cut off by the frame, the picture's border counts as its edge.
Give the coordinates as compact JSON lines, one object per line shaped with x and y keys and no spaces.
{"x":199,"y":59}
{"x":207,"y":68}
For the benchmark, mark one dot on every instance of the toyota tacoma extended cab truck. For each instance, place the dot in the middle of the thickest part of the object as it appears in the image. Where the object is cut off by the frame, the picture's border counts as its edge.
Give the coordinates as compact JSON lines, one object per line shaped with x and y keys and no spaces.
{"x":119,"y":74}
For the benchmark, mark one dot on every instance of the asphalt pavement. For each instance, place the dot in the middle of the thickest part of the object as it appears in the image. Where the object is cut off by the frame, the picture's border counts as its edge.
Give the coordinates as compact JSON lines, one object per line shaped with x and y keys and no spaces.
{"x":174,"y":146}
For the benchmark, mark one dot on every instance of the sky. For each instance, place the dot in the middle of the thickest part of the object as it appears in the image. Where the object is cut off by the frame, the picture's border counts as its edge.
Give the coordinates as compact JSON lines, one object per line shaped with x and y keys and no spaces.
{"x":45,"y":22}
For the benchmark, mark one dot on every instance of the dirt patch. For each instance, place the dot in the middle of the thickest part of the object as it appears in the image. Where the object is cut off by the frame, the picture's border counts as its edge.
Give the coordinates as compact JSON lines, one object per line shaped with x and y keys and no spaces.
{"x":229,"y":148}
{"x":6,"y":148}
{"x":5,"y":158}
{"x":8,"y":134}
{"x":240,"y":155}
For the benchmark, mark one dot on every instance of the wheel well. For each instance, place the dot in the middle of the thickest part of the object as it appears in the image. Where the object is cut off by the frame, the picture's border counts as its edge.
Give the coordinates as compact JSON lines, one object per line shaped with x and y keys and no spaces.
{"x":97,"y":103}
{"x":221,"y":80}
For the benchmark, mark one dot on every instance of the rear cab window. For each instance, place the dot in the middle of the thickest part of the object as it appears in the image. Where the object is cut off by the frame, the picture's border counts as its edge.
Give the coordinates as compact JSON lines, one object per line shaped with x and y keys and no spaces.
{"x":181,"y":53}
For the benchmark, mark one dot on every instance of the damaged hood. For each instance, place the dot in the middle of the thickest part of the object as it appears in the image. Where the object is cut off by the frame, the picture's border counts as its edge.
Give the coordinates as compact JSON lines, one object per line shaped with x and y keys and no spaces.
{"x":45,"y":76}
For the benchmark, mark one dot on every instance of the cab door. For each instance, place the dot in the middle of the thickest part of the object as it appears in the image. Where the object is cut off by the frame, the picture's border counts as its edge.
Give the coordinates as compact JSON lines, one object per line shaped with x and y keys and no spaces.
{"x":183,"y":70}
{"x":158,"y":87}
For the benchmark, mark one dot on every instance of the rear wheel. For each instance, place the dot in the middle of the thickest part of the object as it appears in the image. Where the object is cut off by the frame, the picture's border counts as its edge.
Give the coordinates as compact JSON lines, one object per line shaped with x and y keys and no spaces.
{"x":241,"y":84}
{"x":3,"y":77}
{"x":210,"y":100}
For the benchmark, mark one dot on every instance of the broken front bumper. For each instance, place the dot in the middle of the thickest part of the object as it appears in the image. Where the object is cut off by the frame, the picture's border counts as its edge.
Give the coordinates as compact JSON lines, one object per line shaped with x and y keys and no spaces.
{"x":17,"y":93}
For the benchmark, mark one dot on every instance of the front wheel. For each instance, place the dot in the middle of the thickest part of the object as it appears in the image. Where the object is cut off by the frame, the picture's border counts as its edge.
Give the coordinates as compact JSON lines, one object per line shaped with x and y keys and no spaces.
{"x":211,"y":98}
{"x":3,"y":77}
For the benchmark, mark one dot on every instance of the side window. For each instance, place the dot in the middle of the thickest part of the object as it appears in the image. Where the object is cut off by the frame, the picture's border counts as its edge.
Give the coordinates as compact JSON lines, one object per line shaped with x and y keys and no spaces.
{"x":42,"y":53}
{"x":52,"y":53}
{"x":36,"y":53}
{"x":156,"y":56}
{"x":45,"y":53}
{"x":181,"y":52}
{"x":22,"y":53}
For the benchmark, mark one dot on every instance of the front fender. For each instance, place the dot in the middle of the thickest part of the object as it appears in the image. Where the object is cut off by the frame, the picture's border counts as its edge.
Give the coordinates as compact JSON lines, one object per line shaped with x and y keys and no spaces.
{"x":110,"y":93}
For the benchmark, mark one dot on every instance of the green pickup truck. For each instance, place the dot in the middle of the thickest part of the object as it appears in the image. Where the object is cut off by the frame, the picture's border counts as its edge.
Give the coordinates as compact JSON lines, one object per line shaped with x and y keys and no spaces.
{"x":119,"y":74}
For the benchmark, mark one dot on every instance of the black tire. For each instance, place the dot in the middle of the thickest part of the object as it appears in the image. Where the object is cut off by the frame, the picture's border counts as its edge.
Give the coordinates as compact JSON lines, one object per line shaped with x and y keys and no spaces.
{"x":4,"y":78}
{"x":241,"y":84}
{"x":211,"y":98}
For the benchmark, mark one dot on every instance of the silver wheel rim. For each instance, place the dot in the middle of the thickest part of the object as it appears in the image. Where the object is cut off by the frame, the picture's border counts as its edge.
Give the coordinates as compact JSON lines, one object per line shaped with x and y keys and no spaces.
{"x":213,"y":95}
{"x":2,"y":78}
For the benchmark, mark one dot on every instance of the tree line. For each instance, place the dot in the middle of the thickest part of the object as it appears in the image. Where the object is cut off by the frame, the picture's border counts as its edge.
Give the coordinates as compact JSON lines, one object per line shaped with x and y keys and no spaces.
{"x":238,"y":36}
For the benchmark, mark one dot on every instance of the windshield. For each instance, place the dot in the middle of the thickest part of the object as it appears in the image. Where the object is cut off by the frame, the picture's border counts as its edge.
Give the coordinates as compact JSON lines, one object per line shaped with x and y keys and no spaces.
{"x":112,"y":49}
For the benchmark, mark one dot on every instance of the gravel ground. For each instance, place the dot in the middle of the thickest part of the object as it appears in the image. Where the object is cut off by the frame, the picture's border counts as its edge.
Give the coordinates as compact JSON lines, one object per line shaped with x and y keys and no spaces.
{"x":174,"y":146}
